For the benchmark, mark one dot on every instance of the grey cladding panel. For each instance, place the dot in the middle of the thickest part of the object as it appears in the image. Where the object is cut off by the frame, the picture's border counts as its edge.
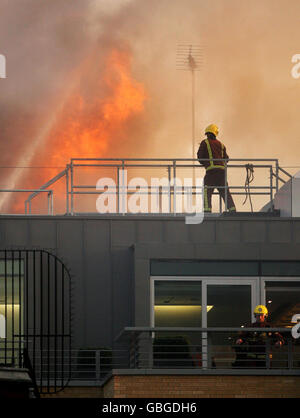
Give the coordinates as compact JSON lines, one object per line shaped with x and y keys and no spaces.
{"x":149,"y":231}
{"x":15,"y":232}
{"x":202,"y":233}
{"x":123,"y":232}
{"x":176,"y":231}
{"x":254,"y":231}
{"x":142,"y":293}
{"x":228,"y":232}
{"x":43,"y":233}
{"x":69,"y":237}
{"x":96,"y":236}
{"x":98,"y":297}
{"x":122,"y":287}
{"x":280,"y":232}
{"x":296,"y":231}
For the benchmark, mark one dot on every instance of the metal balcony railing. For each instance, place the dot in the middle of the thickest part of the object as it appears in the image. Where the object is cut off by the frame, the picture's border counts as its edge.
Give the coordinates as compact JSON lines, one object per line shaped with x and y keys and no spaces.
{"x":211,"y":350}
{"x":177,"y":181}
{"x":164,"y":351}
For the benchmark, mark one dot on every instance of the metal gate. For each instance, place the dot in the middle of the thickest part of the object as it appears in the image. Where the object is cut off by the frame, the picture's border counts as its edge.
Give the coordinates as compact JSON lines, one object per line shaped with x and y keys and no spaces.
{"x":35,"y":316}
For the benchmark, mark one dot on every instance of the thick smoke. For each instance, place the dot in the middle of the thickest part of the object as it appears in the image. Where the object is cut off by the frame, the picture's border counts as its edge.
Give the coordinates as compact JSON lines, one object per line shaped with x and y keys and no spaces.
{"x":244,"y":84}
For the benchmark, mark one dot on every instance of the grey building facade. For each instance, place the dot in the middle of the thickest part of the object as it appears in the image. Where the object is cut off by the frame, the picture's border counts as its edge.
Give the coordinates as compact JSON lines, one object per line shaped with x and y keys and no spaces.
{"x":112,"y":258}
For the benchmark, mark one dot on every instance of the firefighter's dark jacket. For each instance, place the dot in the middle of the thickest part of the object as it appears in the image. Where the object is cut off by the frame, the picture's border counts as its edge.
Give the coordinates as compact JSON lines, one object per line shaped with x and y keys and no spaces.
{"x":212,"y":149}
{"x":260,"y":338}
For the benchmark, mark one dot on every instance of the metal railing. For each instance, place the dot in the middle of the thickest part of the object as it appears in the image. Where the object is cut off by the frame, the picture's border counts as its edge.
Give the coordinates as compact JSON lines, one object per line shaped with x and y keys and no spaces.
{"x":168,"y":194}
{"x":165,"y":350}
{"x":35,"y":193}
{"x":211,"y":350}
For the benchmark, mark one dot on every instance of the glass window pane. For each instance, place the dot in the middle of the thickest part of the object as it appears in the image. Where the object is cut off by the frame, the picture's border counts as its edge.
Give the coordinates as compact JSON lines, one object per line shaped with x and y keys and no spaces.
{"x":11,"y":313}
{"x":283,"y":301}
{"x":231,"y":305}
{"x":177,"y":304}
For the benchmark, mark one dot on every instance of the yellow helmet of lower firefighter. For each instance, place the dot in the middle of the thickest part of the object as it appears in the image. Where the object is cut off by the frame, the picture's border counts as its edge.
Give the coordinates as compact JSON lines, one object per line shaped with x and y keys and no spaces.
{"x":261,"y":309}
{"x":212,"y":129}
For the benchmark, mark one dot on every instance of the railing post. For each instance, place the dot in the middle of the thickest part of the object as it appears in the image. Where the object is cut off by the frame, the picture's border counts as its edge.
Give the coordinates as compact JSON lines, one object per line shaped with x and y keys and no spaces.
{"x":268,"y":354}
{"x":124,"y":210}
{"x":271,"y":184}
{"x":226,"y":188}
{"x":132,"y":352}
{"x":67,"y":189}
{"x":169,"y":189}
{"x":277,"y":176}
{"x":118,"y":189}
{"x":174,"y":187}
{"x":50,"y":202}
{"x":98,"y":365}
{"x":290,"y":354}
{"x":72,"y":196}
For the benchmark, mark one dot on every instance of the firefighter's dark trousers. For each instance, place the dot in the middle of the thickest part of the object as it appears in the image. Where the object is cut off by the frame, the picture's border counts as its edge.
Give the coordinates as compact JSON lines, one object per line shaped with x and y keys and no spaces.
{"x":215,"y":178}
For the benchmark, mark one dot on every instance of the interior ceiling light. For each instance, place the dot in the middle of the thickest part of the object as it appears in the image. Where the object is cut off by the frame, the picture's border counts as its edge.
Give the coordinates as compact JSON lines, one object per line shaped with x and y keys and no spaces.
{"x":183,"y":307}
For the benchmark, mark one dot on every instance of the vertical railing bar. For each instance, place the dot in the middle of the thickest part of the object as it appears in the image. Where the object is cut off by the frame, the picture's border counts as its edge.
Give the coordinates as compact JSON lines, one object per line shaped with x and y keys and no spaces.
{"x":174,"y":187}
{"x":118,"y":191}
{"x":67,"y":188}
{"x":72,"y":196}
{"x":169,"y":190}
{"x":48,"y":201}
{"x":290,"y":354}
{"x":123,"y":189}
{"x":226,"y":187}
{"x":271,"y":184}
{"x":277,"y":176}
{"x":98,"y":364}
{"x":52,"y":203}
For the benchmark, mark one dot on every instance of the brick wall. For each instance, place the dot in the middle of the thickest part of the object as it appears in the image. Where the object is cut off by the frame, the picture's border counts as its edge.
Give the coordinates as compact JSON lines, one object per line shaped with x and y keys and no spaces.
{"x":202,"y":386}
{"x":77,"y":392}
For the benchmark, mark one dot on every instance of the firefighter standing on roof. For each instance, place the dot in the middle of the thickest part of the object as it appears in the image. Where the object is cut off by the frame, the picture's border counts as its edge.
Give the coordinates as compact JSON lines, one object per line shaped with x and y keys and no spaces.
{"x":214,"y":151}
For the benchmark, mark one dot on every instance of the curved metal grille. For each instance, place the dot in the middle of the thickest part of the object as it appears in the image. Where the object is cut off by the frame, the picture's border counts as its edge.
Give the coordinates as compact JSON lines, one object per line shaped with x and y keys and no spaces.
{"x":35,"y":315}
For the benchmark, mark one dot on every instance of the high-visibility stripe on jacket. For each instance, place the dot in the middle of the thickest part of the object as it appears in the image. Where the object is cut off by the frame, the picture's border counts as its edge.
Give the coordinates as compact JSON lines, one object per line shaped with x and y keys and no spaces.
{"x":210,"y":150}
{"x":210,"y":156}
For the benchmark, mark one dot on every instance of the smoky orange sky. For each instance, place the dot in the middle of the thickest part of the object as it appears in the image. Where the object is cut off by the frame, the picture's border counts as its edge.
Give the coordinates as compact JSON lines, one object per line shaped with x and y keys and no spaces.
{"x":99,"y":78}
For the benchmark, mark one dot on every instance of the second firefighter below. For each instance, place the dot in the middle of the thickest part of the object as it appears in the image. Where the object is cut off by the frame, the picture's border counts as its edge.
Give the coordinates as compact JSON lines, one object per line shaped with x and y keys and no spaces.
{"x":212,"y":155}
{"x":253,"y":349}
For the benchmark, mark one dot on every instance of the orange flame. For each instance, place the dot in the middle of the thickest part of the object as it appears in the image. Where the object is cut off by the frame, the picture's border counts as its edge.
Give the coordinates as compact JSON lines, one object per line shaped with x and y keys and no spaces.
{"x":89,"y":123}
{"x":92,"y":122}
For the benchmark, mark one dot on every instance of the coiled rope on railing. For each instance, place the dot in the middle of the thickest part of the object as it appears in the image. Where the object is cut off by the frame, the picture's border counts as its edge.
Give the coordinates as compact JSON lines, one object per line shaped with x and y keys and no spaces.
{"x":249,"y":179}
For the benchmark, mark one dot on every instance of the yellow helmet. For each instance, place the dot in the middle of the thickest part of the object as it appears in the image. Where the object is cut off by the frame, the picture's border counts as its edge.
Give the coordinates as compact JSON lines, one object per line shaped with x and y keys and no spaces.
{"x":212,"y":129}
{"x":261,"y":309}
